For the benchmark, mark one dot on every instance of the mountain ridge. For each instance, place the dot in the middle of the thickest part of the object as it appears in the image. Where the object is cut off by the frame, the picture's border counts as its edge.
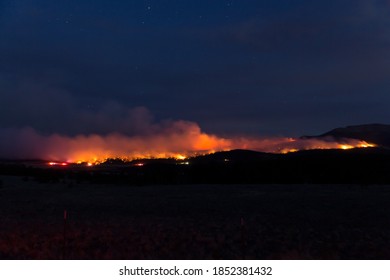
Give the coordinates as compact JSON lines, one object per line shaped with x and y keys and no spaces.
{"x":375,"y":133}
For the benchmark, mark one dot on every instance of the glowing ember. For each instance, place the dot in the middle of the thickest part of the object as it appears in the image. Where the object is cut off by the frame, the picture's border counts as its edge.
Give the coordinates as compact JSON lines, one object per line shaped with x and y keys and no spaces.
{"x":179,"y":141}
{"x":180,"y":157}
{"x":286,"y":151}
{"x":57,"y":163}
{"x":124,"y":152}
{"x":122,"y":148}
{"x":346,"y":147}
{"x":311,"y":144}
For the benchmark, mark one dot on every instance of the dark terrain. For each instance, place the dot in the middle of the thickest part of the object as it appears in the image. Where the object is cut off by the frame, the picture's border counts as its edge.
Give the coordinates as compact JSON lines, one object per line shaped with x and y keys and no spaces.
{"x":372,"y":133}
{"x":231,"y":205}
{"x":194,"y":221}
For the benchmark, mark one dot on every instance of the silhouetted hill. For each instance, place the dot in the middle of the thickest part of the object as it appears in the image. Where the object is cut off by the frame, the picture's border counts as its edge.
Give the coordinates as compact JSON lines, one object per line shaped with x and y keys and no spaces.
{"x":355,"y":166}
{"x":373,"y":133}
{"x":234,"y":155}
{"x":362,"y":166}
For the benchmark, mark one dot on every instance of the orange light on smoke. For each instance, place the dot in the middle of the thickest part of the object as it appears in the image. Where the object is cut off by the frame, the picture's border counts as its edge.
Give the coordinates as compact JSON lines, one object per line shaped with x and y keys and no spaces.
{"x":180,"y":157}
{"x":281,"y":146}
{"x":185,"y":141}
{"x":364,"y":144}
{"x":52,"y":163}
{"x":286,"y":151}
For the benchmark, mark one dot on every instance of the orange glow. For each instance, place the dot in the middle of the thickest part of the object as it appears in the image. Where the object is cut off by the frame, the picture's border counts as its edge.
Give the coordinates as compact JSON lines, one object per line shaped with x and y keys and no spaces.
{"x":181,"y":141}
{"x":97,"y":154}
{"x":346,"y":147}
{"x":52,"y":163}
{"x":286,"y":151}
{"x":180,"y":157}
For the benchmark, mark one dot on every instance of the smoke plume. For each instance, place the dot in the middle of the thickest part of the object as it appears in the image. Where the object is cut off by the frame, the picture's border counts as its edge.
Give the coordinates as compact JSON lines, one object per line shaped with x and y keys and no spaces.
{"x":177,"y":139}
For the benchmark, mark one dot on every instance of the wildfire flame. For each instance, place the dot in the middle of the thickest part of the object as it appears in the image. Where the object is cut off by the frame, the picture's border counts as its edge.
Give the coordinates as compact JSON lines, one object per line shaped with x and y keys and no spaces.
{"x":180,"y":141}
{"x":346,"y":144}
{"x":58,"y":163}
{"x":96,"y":149}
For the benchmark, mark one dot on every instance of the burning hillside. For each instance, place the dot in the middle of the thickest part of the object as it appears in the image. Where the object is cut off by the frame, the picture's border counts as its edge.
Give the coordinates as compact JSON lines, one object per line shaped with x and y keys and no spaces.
{"x":180,"y":140}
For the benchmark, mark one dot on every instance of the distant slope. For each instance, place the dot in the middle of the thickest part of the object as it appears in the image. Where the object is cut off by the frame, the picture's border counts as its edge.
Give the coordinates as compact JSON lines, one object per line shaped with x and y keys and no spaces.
{"x":235,"y":156}
{"x":373,"y":133}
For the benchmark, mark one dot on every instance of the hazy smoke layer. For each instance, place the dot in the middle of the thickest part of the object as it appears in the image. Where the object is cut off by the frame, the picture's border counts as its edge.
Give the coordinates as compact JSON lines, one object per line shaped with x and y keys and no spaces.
{"x":178,"y":139}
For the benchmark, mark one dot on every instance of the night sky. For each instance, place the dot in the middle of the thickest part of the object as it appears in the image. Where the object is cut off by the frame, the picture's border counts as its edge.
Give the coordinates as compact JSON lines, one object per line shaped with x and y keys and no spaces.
{"x":238,"y":67}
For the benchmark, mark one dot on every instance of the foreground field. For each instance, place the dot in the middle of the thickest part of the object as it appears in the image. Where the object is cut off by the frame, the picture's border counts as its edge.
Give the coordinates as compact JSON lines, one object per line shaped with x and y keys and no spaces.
{"x":193,"y":221}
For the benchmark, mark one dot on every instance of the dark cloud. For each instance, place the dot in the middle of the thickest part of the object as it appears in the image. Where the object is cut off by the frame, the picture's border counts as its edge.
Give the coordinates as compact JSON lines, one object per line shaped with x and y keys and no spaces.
{"x":248,"y":68}
{"x":61,"y":112}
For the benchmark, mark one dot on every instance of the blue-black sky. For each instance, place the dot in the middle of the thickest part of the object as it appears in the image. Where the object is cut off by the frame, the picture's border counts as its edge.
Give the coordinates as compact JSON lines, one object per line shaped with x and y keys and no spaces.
{"x":234,"y":67}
